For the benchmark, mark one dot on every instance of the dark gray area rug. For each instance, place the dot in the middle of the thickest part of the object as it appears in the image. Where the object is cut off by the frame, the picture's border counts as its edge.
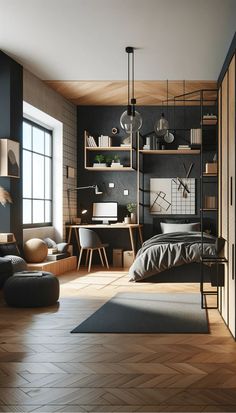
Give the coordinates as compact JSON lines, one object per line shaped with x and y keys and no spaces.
{"x":148,"y":313}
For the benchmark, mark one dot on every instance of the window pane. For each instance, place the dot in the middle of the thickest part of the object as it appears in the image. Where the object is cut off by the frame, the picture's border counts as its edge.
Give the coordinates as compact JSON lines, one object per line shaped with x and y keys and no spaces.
{"x":48,"y":178}
{"x":26,"y":211}
{"x":48,"y":209}
{"x":38,"y":140}
{"x":26,"y":135}
{"x":38,"y":176}
{"x":27,"y":174}
{"x":38,"y":212}
{"x":48,"y":144}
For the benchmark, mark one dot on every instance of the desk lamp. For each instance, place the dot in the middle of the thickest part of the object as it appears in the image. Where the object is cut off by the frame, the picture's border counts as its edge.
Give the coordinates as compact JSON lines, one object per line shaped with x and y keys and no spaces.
{"x":69,"y":190}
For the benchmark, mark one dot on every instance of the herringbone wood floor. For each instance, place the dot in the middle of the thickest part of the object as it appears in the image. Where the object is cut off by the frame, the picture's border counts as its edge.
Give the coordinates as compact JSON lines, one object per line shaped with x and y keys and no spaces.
{"x":44,"y":368}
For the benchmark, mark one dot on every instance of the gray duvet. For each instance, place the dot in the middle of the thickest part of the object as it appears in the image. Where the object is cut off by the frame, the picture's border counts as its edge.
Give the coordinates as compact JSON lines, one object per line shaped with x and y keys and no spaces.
{"x":164,"y":251}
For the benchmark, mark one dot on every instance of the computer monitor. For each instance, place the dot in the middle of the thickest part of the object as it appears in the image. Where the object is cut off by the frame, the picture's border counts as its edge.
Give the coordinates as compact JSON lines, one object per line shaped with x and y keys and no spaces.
{"x":104,"y":211}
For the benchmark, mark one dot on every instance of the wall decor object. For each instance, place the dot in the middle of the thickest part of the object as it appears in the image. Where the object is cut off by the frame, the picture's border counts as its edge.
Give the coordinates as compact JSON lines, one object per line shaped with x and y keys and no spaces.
{"x":114,"y":131}
{"x":172,"y":196}
{"x":70,"y":172}
{"x":5,"y":197}
{"x":9,"y":158}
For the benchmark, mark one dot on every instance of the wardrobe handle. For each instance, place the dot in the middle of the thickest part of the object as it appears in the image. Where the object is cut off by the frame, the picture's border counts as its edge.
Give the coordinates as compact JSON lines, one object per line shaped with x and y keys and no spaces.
{"x":233,"y":261}
{"x":231,"y":190}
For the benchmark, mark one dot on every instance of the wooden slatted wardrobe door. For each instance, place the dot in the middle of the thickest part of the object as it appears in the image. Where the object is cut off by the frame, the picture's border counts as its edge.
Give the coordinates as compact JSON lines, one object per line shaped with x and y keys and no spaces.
{"x":224,"y":189}
{"x":231,"y":190}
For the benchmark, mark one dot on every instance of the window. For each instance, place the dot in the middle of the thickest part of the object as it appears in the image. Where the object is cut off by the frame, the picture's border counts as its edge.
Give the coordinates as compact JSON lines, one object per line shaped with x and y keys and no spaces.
{"x":37,"y":175}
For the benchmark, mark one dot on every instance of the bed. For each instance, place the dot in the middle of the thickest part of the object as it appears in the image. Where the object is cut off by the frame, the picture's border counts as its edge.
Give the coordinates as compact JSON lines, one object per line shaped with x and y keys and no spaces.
{"x":170,"y":250}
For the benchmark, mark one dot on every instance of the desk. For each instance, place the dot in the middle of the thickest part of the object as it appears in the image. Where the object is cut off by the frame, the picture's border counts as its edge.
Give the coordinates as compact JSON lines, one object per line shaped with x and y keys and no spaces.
{"x":120,"y":225}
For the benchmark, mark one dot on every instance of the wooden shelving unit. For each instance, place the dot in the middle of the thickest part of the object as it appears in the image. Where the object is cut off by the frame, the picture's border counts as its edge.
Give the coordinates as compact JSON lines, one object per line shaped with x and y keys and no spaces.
{"x":170,"y":151}
{"x":109,"y":169}
{"x":110,"y":148}
{"x":209,"y":174}
{"x":89,"y":160}
{"x":208,"y":209}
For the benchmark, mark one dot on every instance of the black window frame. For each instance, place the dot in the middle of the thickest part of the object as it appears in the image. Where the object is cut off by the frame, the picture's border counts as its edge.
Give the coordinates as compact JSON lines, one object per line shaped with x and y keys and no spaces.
{"x":50,"y":132}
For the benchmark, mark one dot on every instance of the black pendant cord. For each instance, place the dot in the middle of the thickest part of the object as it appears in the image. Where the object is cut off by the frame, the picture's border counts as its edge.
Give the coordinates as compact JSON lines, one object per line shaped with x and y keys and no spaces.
{"x":133,"y":83}
{"x":167,"y":95}
{"x":128,"y":104}
{"x":184,"y":111}
{"x":174,"y":113}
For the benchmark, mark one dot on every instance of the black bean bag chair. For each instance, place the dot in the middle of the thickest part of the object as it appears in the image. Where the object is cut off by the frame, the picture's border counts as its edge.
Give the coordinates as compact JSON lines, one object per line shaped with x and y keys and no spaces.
{"x":6,"y":270}
{"x":31,"y":289}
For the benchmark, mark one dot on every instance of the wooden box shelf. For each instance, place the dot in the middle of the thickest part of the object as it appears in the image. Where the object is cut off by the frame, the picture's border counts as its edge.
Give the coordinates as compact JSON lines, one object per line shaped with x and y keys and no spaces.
{"x":125,"y":151}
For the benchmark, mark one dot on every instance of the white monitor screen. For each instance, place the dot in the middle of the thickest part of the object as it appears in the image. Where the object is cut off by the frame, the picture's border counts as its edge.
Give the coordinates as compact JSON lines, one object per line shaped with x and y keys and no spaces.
{"x":104,"y":211}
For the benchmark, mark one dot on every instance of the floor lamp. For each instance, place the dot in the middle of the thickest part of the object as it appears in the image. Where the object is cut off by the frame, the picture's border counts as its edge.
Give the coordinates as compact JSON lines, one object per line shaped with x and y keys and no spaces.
{"x":69,"y":190}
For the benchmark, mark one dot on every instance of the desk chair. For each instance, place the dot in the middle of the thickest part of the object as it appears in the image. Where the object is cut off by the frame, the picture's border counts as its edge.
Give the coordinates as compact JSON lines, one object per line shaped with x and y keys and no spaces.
{"x":90,"y":242}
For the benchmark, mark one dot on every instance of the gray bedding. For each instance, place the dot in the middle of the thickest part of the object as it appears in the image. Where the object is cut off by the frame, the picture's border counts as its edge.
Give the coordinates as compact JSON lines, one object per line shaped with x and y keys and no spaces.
{"x":164,"y":251}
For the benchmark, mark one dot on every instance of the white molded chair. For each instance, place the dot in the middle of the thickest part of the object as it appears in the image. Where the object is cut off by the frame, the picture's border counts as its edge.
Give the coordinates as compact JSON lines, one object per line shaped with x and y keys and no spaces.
{"x":90,"y":241}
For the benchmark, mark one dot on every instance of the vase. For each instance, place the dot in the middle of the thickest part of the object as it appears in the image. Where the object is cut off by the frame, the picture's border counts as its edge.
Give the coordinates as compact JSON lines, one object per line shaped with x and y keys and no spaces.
{"x":133,"y":218}
{"x":127,"y":220}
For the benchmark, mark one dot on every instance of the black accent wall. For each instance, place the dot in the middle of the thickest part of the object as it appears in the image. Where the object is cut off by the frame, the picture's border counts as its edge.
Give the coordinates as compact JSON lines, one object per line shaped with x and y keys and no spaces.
{"x":100,"y":120}
{"x":11,"y":116}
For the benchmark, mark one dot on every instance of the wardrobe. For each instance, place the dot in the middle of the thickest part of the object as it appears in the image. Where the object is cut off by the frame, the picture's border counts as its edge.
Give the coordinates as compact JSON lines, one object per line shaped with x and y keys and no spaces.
{"x":227,"y":188}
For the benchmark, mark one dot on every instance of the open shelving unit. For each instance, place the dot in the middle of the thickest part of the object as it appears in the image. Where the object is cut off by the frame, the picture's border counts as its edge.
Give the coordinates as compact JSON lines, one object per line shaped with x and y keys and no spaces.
{"x":124,"y":150}
{"x":170,"y":151}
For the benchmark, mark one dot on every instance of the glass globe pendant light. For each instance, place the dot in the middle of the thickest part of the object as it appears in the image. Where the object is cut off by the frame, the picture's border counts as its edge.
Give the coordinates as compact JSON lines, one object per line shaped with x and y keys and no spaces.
{"x":131,"y":120}
{"x":162,"y":125}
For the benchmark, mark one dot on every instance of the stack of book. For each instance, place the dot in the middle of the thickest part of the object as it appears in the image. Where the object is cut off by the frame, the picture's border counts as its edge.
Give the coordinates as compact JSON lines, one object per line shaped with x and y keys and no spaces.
{"x":195,"y":136}
{"x":183,"y":147}
{"x":91,"y":141}
{"x":104,"y":141}
{"x":209,"y":119}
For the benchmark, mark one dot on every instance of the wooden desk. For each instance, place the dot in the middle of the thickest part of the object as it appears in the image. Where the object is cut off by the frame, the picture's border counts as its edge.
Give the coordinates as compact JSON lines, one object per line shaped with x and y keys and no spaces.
{"x":120,"y":225}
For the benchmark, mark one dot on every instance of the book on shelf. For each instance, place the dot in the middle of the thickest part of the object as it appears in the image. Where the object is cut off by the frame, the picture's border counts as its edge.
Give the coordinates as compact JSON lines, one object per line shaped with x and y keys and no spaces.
{"x":195,"y":136}
{"x":104,"y":141}
{"x":126,"y":145}
{"x":184,"y":147}
{"x":91,"y":141}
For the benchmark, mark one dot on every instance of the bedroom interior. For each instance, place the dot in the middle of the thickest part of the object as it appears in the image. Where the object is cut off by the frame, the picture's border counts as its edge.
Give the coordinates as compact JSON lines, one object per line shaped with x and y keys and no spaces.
{"x":120,"y":143}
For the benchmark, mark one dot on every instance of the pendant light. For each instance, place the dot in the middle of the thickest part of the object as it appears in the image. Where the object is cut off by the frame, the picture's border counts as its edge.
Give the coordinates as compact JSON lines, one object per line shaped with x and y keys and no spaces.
{"x":131,"y":120}
{"x":162,"y":125}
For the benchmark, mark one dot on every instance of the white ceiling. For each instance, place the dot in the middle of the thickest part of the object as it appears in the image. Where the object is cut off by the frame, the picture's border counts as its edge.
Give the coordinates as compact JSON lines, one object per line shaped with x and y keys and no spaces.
{"x":86,"y":39}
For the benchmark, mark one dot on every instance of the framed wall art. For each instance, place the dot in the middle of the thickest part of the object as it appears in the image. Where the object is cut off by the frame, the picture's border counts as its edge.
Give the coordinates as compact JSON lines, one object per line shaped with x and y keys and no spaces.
{"x":9,"y":158}
{"x":173,"y":196}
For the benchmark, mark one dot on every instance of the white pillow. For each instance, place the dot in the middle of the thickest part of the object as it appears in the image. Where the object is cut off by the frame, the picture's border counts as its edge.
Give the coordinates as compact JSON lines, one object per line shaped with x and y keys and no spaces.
{"x":175,"y":227}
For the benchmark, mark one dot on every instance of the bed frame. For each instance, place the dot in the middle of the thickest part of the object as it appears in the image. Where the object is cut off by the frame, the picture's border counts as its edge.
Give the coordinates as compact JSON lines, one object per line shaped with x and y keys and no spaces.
{"x":188,"y":273}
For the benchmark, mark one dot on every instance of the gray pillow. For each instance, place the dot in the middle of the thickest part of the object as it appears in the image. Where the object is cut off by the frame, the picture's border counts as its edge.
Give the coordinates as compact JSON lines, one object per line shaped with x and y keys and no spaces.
{"x":191,"y":227}
{"x":62,"y":247}
{"x":50,"y":243}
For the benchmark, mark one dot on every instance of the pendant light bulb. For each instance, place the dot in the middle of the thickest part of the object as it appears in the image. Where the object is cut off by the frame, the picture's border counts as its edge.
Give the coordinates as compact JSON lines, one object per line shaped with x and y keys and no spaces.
{"x":131,"y":123}
{"x":131,"y":120}
{"x":161,"y":126}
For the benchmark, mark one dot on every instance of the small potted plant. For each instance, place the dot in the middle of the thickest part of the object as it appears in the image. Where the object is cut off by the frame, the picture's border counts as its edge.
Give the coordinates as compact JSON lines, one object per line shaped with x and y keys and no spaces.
{"x":99,"y":161}
{"x":108,"y":160}
{"x":116,"y":162}
{"x":131,"y":208}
